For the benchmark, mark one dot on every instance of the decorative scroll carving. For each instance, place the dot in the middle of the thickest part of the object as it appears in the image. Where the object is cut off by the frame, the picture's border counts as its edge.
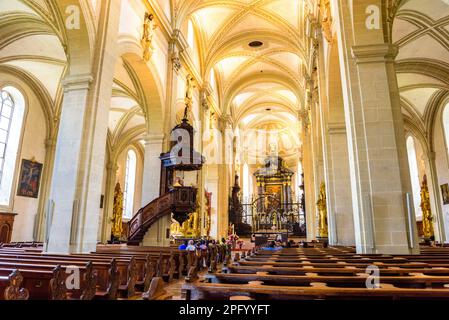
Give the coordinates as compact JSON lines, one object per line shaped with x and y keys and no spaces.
{"x":132,"y":277}
{"x":90,"y":282}
{"x":113,"y":281}
{"x":156,"y":291}
{"x":14,"y":291}
{"x":326,"y":19}
{"x":176,"y":62}
{"x":57,"y":285}
{"x":149,"y":273}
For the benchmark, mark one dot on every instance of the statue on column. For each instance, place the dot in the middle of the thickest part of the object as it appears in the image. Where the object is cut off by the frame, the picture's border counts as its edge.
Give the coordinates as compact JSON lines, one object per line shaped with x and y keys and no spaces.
{"x":147,"y":36}
{"x":189,"y":94}
{"x":322,"y":211}
{"x":117,"y":214}
{"x":427,"y":219}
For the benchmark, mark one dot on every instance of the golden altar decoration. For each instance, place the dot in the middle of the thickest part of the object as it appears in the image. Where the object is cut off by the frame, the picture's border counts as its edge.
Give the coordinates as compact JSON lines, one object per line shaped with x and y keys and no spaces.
{"x":427,"y":219}
{"x":117,"y":213}
{"x":322,"y":213}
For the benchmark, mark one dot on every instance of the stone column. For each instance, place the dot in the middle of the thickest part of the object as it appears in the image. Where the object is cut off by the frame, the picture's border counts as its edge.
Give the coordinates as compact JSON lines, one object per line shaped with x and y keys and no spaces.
{"x":80,"y":151}
{"x":383,"y":219}
{"x":40,"y":222}
{"x":309,"y":184}
{"x":384,"y":222}
{"x":435,"y":193}
{"x":111,"y":170}
{"x":152,"y":168}
{"x":335,"y":149}
{"x":156,"y":235}
{"x":173,"y":71}
{"x":224,"y":185}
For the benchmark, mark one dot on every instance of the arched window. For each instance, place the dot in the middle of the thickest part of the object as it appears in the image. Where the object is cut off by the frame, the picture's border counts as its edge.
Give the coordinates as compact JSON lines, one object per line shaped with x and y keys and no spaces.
{"x":130,"y":184}
{"x":191,"y":35}
{"x":12,"y":110}
{"x":414,"y":176}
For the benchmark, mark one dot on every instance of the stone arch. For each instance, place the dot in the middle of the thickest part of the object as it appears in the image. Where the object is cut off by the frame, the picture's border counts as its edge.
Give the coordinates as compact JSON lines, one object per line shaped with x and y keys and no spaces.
{"x":79,"y":43}
{"x":149,"y":89}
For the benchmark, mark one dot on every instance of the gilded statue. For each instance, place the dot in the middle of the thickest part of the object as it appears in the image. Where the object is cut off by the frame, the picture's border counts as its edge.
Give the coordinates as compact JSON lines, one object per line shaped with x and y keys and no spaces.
{"x":322,"y":211}
{"x":427,"y":218}
{"x":117,"y":214}
{"x":326,"y":20}
{"x":190,"y":85}
{"x":191,"y":228}
{"x":147,"y":36}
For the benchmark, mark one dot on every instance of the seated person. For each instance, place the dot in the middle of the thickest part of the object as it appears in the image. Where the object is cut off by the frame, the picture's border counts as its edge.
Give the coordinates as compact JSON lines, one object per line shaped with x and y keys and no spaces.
{"x":272,"y":247}
{"x":191,"y":246}
{"x":183,"y":246}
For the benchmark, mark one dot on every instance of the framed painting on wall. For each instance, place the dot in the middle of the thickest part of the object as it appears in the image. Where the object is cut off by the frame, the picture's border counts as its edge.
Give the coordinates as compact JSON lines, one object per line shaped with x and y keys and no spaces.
{"x":445,"y":193}
{"x":29,"y":179}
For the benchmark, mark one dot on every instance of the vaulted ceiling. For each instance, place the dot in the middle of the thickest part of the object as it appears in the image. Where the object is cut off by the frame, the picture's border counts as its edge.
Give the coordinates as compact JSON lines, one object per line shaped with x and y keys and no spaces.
{"x":257,"y":50}
{"x":421,"y":30}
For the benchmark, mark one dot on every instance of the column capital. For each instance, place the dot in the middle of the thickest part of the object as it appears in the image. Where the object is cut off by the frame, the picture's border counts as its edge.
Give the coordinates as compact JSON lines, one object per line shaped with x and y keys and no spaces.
{"x":77,"y":82}
{"x":225,"y":121}
{"x":153,"y":138}
{"x":375,"y":53}
{"x":50,"y":144}
{"x":112,"y":166}
{"x":176,"y":62}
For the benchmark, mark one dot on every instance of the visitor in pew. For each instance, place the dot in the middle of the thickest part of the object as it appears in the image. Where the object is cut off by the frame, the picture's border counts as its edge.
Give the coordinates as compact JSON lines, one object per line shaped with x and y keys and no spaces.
{"x":272,"y":247}
{"x":191,"y":246}
{"x":203,"y":245}
{"x":183,"y":246}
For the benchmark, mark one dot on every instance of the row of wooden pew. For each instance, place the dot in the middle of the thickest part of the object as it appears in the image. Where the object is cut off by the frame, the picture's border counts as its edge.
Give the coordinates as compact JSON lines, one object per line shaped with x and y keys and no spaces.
{"x":109,"y":273}
{"x":327,"y":273}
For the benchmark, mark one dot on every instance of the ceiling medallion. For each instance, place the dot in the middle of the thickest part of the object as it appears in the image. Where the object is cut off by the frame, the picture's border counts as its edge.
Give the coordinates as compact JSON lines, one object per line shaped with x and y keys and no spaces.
{"x":255,"y":44}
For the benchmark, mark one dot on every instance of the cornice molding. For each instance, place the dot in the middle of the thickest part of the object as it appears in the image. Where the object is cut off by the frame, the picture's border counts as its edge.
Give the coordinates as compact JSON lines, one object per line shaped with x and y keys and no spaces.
{"x":374,"y":53}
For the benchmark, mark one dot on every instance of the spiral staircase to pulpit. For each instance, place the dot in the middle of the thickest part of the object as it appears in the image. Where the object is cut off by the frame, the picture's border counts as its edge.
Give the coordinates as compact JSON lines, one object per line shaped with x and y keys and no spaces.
{"x":176,"y":200}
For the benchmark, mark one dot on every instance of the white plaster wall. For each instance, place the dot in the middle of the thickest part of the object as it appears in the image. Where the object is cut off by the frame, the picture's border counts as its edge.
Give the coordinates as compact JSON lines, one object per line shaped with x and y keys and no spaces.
{"x":442,"y":164}
{"x":32,"y":145}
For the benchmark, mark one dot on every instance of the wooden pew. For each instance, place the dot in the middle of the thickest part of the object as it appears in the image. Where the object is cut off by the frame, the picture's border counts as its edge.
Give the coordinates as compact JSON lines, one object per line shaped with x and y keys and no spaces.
{"x":414,"y":280}
{"x":42,"y":284}
{"x":96,"y":279}
{"x":127,"y":269}
{"x":220,"y":291}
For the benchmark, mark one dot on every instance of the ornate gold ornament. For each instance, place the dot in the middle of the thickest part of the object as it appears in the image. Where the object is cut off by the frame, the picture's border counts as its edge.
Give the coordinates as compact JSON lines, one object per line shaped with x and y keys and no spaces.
{"x":322,"y":212}
{"x":147,"y":36}
{"x":427,"y":219}
{"x":190,"y":85}
{"x":117,"y":213}
{"x":326,"y":19}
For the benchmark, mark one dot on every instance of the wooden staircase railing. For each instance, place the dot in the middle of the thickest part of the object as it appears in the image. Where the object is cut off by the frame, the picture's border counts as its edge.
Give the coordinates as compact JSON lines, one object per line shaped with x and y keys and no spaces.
{"x":181,"y":201}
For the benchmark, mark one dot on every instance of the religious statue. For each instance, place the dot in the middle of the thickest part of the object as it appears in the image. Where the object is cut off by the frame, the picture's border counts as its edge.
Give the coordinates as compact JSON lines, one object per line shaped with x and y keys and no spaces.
{"x":147,"y":36}
{"x":178,"y":182}
{"x":322,"y":211}
{"x":326,"y":19}
{"x":117,"y":213}
{"x":208,"y":212}
{"x":189,"y":94}
{"x":427,"y":219}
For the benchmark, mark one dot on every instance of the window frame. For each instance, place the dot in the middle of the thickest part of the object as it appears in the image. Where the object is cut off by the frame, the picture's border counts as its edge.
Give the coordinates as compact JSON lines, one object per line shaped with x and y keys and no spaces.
{"x":13,"y":188}
{"x":125,"y":214}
